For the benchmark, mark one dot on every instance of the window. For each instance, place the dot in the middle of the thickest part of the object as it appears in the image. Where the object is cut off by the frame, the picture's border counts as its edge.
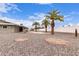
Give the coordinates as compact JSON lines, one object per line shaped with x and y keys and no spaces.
{"x":4,"y":26}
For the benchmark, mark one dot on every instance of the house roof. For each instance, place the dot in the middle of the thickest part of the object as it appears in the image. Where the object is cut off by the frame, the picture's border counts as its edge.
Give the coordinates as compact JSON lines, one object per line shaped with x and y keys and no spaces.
{"x":3,"y":22}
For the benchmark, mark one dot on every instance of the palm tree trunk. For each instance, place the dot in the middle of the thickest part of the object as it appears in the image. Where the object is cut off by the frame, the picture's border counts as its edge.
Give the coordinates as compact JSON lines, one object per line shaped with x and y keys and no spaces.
{"x":52,"y":27}
{"x":36,"y":28}
{"x":45,"y":28}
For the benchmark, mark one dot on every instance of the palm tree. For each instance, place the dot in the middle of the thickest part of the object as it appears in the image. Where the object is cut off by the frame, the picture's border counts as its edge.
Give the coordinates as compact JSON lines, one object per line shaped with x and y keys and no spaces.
{"x":45,"y":22}
{"x":54,"y":15}
{"x":36,"y":25}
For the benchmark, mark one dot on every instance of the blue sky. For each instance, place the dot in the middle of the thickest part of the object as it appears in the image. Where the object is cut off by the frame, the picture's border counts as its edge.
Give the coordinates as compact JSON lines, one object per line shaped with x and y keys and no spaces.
{"x":27,"y":13}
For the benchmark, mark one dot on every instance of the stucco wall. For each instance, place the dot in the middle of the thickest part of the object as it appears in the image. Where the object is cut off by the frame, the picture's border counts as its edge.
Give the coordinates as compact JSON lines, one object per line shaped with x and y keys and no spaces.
{"x":69,"y":29}
{"x":9,"y":29}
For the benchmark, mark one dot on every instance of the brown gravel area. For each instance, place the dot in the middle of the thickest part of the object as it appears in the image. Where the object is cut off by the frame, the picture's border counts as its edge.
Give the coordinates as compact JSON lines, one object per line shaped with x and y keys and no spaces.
{"x":34,"y":44}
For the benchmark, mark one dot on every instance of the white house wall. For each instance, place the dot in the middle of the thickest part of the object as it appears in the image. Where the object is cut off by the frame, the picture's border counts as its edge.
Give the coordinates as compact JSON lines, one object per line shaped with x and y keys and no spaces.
{"x":9,"y":29}
{"x":69,"y":29}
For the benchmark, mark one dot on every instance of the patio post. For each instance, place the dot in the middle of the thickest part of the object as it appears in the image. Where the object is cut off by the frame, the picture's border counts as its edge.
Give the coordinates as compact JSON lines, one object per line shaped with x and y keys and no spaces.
{"x":76,"y":34}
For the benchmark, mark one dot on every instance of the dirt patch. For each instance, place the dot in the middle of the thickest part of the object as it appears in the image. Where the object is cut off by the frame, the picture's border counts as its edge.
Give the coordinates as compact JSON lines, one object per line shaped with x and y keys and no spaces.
{"x":21,"y":39}
{"x":57,"y":41}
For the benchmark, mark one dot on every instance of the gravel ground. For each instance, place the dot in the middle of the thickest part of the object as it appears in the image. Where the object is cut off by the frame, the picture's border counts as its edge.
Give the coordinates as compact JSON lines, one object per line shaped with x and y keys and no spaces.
{"x":36,"y":45}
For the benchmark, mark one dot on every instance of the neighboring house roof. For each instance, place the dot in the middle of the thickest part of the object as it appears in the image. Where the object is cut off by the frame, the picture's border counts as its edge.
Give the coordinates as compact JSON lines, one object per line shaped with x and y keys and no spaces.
{"x":3,"y":22}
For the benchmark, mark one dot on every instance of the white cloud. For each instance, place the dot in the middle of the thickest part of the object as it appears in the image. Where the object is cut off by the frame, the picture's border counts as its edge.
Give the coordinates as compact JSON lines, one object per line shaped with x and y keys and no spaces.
{"x":74,"y":12}
{"x":77,"y":24}
{"x":13,"y":6}
{"x":71,"y":16}
{"x":44,"y":3}
{"x":36,"y":17}
{"x":68,"y":17}
{"x":5,"y":7}
{"x":26,"y":23}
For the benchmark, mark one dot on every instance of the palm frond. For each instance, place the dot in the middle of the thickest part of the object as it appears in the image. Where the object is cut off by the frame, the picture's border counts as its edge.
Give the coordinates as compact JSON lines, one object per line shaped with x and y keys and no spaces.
{"x":45,"y":22}
{"x":60,"y":18}
{"x":55,"y":15}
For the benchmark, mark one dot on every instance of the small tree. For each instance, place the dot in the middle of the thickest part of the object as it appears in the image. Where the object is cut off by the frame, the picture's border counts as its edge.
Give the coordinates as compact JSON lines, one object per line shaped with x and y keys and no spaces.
{"x":36,"y":24}
{"x":45,"y":22}
{"x":54,"y":15}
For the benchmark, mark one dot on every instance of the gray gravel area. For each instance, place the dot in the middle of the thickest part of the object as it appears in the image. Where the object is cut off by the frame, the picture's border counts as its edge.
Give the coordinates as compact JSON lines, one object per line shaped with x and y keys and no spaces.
{"x":36,"y":45}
